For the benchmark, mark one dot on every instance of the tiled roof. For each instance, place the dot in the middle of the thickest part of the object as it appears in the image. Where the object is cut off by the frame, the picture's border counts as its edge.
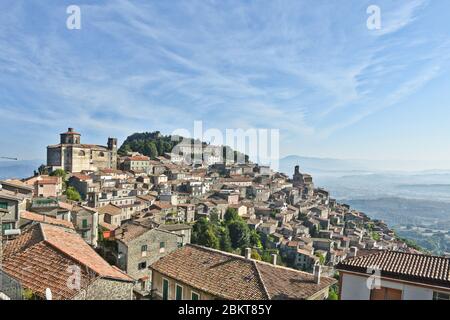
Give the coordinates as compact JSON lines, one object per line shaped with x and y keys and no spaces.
{"x":427,"y":269}
{"x":109,"y":209}
{"x":45,"y":219}
{"x":40,"y":258}
{"x":138,"y":158}
{"x":234,"y":277}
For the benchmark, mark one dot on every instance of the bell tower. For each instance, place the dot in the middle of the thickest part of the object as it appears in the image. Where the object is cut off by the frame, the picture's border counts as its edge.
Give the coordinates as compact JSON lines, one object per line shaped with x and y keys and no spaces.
{"x":70,"y":137}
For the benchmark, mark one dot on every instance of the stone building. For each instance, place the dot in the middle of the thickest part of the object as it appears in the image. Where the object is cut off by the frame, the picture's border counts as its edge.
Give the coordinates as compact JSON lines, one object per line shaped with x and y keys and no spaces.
{"x":73,"y":156}
{"x":140,"y":244}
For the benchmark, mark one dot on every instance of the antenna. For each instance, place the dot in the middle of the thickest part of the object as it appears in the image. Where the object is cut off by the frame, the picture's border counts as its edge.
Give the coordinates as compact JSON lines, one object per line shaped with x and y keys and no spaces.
{"x":9,"y":158}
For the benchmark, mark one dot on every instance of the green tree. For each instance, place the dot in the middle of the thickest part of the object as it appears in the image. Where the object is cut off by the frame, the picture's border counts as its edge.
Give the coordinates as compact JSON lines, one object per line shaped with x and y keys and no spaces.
{"x":150,"y":149}
{"x":239,"y":234}
{"x":225,"y":240}
{"x":231,"y":215}
{"x":72,"y":194}
{"x":255,"y":239}
{"x":204,"y":234}
{"x":42,"y":170}
{"x":59,"y":173}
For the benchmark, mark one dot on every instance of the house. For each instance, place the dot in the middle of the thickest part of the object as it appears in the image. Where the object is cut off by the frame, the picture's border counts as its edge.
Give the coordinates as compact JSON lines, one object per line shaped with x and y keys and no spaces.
{"x":138,"y":246}
{"x":111,"y":215}
{"x":45,"y":186}
{"x":85,"y":221}
{"x":199,"y":273}
{"x":394,"y":275}
{"x":183,"y":231}
{"x":305,"y":260}
{"x":11,"y":204}
{"x":17,"y":187}
{"x":136,"y":163}
{"x":54,"y":257}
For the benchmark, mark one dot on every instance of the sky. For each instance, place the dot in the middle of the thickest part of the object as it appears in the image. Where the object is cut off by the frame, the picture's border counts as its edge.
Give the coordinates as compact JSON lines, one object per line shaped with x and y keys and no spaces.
{"x":311,"y":69}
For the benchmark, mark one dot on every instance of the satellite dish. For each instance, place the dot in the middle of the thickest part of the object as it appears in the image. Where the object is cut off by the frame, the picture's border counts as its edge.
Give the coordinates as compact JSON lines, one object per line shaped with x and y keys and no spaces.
{"x":48,"y":294}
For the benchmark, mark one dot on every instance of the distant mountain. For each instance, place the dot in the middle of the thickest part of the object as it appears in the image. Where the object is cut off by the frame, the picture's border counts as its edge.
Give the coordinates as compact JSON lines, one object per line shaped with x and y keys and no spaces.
{"x":323,"y":166}
{"x":333,"y":167}
{"x":18,"y":169}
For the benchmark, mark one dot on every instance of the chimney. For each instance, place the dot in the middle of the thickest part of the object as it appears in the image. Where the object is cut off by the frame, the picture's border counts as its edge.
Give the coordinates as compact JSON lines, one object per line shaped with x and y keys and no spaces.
{"x":274,"y":259}
{"x":353,"y":252}
{"x":248,"y":253}
{"x":317,"y":271}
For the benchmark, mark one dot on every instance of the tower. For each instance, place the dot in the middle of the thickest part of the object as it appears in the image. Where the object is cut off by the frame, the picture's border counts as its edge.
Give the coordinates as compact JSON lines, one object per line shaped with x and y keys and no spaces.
{"x":70,"y":137}
{"x":112,"y":144}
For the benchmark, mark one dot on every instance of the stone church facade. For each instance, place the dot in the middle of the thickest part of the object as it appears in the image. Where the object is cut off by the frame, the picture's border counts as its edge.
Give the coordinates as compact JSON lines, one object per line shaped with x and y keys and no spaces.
{"x":73,"y":156}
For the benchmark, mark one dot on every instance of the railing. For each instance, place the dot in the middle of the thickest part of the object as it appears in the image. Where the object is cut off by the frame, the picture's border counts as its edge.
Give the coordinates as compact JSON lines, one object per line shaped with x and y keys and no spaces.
{"x":10,"y":288}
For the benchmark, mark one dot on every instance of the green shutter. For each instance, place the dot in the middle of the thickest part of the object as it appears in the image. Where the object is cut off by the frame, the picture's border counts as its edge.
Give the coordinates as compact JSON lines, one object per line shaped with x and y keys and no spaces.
{"x":3,"y":205}
{"x":194,"y":296}
{"x":165,"y":289}
{"x":179,"y":292}
{"x":85,"y":223}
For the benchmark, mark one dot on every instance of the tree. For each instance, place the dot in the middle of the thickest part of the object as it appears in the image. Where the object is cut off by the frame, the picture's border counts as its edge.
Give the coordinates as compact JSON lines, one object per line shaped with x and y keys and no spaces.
{"x":225,"y":240}
{"x":255,"y":239}
{"x":150,"y":149}
{"x":203,"y":233}
{"x":239,"y":234}
{"x":255,"y":255}
{"x":231,"y":215}
{"x":42,"y":170}
{"x":59,"y":173}
{"x":72,"y":194}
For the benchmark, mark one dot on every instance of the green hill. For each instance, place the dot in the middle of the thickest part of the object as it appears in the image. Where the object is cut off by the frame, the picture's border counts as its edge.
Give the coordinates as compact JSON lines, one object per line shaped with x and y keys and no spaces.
{"x":154,"y":144}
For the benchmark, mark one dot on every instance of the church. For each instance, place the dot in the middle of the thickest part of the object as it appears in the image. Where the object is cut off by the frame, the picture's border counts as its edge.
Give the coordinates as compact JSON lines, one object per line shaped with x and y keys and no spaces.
{"x":73,"y":156}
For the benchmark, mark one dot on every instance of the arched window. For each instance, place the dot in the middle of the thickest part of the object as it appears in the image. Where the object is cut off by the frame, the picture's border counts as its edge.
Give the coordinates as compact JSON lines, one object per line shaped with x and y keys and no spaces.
{"x":81,"y":153}
{"x":101,"y":154}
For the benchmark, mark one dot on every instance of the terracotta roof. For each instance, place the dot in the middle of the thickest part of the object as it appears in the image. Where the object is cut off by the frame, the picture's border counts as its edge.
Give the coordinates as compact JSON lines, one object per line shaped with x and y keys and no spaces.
{"x":80,"y":176}
{"x":41,"y":257}
{"x":16,"y":183}
{"x":109,"y":209}
{"x":427,"y":269}
{"x":233,"y":277}
{"x":45,"y":219}
{"x":137,"y":158}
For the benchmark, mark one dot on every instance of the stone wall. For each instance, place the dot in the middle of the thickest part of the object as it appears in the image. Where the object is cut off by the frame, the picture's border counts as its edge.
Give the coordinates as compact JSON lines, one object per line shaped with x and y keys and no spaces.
{"x":107,"y":289}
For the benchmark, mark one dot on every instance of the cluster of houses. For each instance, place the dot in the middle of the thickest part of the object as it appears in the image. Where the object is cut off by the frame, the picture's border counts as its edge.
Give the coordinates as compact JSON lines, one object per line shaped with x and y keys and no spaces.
{"x":129,"y":236}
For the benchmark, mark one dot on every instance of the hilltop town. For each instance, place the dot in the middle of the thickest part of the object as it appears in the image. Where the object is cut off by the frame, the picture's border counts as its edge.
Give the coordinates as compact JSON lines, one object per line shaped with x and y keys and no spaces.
{"x":139,"y":226}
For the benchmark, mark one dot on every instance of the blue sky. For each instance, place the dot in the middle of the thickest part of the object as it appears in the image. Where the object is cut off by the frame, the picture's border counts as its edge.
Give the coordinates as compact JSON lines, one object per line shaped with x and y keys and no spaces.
{"x":312,"y":69}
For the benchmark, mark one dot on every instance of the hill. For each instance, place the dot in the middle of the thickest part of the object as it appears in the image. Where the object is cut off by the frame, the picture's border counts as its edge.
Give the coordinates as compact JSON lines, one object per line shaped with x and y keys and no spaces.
{"x":154,"y":144}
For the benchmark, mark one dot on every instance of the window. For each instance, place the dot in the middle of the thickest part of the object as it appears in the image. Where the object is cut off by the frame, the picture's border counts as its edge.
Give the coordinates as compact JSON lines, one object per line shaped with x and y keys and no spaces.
{"x":85,"y":223}
{"x":165,"y":288}
{"x":178,"y":292}
{"x":162,"y":246}
{"x":3,"y":205}
{"x":385,"y":294}
{"x":195,"y":296}
{"x":441,"y":296}
{"x":144,"y":251}
{"x":142,"y":265}
{"x":81,"y":153}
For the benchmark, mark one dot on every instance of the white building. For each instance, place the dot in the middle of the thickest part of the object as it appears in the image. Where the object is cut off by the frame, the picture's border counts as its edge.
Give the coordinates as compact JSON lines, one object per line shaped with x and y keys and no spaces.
{"x":393,"y":275}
